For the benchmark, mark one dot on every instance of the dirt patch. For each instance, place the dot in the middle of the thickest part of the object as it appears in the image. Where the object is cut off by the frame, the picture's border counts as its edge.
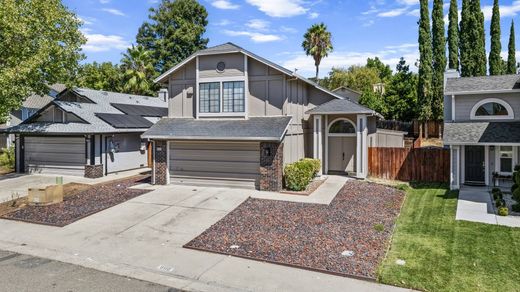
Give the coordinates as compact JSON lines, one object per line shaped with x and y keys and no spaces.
{"x":4,"y":170}
{"x":313,"y":185}
{"x":348,"y":237}
{"x":80,"y":201}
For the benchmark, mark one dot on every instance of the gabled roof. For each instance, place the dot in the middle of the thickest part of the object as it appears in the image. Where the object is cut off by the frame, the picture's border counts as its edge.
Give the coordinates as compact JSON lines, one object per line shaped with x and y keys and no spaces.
{"x":482,"y":84}
{"x":88,"y":112}
{"x":229,"y":48}
{"x":253,"y":129}
{"x":481,"y":132}
{"x":342,"y":106}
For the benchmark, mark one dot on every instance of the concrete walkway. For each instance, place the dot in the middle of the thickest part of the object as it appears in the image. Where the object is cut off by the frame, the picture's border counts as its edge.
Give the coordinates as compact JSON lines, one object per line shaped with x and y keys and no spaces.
{"x":475,"y":205}
{"x":143,"y":238}
{"x":16,"y":184}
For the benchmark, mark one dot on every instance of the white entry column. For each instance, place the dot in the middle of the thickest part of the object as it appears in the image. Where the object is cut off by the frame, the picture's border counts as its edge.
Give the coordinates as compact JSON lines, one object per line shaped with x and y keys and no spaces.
{"x":361,"y":147}
{"x":317,"y":139}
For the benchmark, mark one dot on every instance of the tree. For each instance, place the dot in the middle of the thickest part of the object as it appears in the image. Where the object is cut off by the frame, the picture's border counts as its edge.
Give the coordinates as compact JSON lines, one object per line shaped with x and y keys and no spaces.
{"x":174,"y":31}
{"x":479,"y":36}
{"x":374,"y":101}
{"x":105,"y":76}
{"x":511,"y":58}
{"x":439,"y":59}
{"x":466,"y":45}
{"x":385,"y":72}
{"x":424,"y":86}
{"x":138,"y":71}
{"x":359,"y":78}
{"x":401,"y":94}
{"x":40,"y":44}
{"x":317,"y":42}
{"x":495,"y":60}
{"x":453,"y":36}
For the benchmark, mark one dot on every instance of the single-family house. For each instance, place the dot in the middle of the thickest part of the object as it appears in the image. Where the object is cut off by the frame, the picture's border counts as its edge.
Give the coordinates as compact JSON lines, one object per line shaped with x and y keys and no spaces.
{"x":348,"y":93}
{"x":87,"y":133}
{"x":482,"y":127}
{"x":236,"y":118}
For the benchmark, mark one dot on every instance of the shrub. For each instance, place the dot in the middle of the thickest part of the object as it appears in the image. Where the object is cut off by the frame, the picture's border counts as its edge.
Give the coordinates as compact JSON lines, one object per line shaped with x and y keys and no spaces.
{"x":7,"y":158}
{"x":495,"y":190}
{"x":503,"y":211}
{"x":516,"y":195}
{"x":514,"y":187}
{"x":500,"y":203}
{"x":315,"y":164}
{"x":379,"y":227}
{"x":516,"y":207}
{"x":497,"y":194}
{"x":517,"y":167}
{"x":298,"y":175}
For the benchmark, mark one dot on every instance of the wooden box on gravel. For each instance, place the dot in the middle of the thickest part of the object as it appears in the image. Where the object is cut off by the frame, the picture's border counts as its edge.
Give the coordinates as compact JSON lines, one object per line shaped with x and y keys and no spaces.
{"x":46,"y":196}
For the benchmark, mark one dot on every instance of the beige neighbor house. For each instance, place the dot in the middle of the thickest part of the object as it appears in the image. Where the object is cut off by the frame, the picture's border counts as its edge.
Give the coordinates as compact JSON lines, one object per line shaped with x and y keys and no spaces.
{"x":236,"y":119}
{"x":482,"y":127}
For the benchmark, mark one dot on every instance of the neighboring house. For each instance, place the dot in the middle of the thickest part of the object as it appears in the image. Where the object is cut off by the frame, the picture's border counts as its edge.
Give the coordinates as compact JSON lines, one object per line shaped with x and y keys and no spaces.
{"x":482,"y":127}
{"x":88,"y":133}
{"x":30,"y":106}
{"x":348,"y":93}
{"x":236,"y":118}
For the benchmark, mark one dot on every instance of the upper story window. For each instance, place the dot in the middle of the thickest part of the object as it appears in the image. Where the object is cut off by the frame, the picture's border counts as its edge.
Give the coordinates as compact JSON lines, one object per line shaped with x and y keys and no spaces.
{"x":492,"y":109}
{"x":222,"y":97}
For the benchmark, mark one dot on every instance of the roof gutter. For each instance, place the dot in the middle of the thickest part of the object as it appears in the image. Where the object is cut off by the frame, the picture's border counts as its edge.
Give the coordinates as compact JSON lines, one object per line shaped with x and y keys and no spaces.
{"x":449,"y":93}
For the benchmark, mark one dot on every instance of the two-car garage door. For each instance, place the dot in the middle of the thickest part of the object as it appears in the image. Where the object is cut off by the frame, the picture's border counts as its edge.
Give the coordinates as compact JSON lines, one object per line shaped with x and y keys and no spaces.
{"x":217,"y":163}
{"x":60,"y":155}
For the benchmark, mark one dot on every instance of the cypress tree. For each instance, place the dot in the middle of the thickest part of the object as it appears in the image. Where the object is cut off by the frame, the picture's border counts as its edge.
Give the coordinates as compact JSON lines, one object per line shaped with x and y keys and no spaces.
{"x":453,"y":36}
{"x":439,"y":58}
{"x":495,"y":60}
{"x":511,"y":58}
{"x":465,"y":41}
{"x":424,"y":89}
{"x":479,"y":56}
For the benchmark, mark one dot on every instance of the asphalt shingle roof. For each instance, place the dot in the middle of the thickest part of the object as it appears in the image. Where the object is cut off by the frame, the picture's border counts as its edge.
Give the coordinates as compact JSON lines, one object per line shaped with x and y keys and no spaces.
{"x":343,"y":106}
{"x":252,"y":129}
{"x":87,"y":112}
{"x":482,"y":83}
{"x":481,"y":132}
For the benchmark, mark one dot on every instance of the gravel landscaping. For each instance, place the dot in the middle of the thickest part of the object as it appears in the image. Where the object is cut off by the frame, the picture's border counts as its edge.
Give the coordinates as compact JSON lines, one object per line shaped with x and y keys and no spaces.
{"x":81,"y":204}
{"x":348,"y":237}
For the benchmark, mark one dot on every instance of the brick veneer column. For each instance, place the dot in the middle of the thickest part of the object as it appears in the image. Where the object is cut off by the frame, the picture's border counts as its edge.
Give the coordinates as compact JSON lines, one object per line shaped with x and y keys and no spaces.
{"x":271,"y":167}
{"x":161,"y":163}
{"x":93,"y":171}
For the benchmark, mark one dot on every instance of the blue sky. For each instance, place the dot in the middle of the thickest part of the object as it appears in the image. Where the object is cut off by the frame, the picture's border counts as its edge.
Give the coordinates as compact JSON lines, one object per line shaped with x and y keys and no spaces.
{"x":274,"y":28}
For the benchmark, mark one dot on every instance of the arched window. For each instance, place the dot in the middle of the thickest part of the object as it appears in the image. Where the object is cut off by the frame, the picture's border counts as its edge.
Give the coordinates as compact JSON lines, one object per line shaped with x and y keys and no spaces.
{"x":342,"y":127}
{"x":492,"y":109}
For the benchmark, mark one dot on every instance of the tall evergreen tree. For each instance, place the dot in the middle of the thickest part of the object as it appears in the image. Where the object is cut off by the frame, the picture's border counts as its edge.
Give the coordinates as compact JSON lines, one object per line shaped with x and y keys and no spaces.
{"x":424,"y":88}
{"x":495,"y":60}
{"x":479,"y":51}
{"x":511,"y":58}
{"x":453,"y":36}
{"x":439,"y":59}
{"x":465,"y":42}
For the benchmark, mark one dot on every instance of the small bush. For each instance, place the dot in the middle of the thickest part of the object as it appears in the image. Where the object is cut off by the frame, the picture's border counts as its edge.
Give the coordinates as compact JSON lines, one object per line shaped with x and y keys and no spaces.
{"x":379,"y":227}
{"x":495,"y":190}
{"x":297,"y":176}
{"x":514,"y":187}
{"x":500,"y":203}
{"x":517,"y":167}
{"x":516,"y":195}
{"x":497,"y":194}
{"x":516,"y":207}
{"x":7,"y":158}
{"x":315,"y":164}
{"x":503,"y":211}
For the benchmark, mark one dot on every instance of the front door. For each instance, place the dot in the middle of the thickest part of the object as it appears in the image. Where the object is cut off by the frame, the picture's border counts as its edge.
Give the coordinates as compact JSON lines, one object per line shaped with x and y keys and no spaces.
{"x":342,"y":154}
{"x":475,"y":164}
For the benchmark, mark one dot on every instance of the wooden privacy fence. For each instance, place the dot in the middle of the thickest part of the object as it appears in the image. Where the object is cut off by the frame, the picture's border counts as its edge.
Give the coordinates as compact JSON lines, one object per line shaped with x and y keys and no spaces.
{"x":416,"y":164}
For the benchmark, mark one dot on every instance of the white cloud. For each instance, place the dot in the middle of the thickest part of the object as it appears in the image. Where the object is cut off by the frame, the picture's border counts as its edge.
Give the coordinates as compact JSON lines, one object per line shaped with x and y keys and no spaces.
{"x":254,"y":36}
{"x":258,"y":24}
{"x":337,"y":59}
{"x":280,"y":8}
{"x":393,"y":12}
{"x":288,"y":29}
{"x":87,"y":20}
{"x":114,"y":11}
{"x":104,"y":1}
{"x":313,"y":15}
{"x":224,"y":4}
{"x":415,"y":12}
{"x":223,"y":22}
{"x":368,"y":23}
{"x":505,"y":10}
{"x":103,"y":43}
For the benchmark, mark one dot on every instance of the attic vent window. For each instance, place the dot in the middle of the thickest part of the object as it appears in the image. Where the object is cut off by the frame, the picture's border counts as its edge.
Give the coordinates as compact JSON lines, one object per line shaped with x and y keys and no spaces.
{"x":221,"y":66}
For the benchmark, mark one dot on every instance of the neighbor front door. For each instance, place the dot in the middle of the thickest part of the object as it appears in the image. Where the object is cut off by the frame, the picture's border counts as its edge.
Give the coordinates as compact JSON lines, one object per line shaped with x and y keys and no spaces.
{"x":475,"y":164}
{"x":342,"y":154}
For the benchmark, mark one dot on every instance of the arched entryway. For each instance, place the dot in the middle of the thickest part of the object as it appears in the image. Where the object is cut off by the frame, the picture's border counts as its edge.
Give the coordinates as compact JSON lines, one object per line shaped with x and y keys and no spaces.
{"x":342,"y":143}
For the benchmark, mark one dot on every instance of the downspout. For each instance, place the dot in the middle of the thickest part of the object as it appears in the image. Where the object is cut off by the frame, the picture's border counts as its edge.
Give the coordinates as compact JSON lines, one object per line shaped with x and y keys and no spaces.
{"x":106,"y":155}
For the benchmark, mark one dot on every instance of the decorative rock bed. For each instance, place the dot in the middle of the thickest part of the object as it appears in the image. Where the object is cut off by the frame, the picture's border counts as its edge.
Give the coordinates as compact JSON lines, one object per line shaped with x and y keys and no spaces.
{"x":348,"y":237}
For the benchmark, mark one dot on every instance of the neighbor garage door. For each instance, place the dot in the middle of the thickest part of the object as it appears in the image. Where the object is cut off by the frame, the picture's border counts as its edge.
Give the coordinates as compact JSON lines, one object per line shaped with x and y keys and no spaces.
{"x":233,"y":164}
{"x":55,"y":155}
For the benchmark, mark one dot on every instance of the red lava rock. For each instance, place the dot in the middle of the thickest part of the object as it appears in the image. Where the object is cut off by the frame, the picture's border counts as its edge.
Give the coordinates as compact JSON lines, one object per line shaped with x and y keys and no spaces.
{"x":311,"y":236}
{"x":84,"y":203}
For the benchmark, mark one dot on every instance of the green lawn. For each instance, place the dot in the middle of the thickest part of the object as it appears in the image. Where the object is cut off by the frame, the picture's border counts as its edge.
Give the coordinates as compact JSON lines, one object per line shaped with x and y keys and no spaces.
{"x":442,"y":254}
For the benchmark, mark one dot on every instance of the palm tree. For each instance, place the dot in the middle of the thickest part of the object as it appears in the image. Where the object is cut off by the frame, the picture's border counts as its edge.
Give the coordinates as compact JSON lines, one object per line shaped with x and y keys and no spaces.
{"x":138,"y":71}
{"x":317,"y":42}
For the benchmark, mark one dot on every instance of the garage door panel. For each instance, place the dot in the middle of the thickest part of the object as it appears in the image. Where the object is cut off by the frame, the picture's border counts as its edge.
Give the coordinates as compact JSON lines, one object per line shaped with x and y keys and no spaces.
{"x":215,"y":146}
{"x":215,"y":155}
{"x":213,"y":175}
{"x":77,"y":149}
{"x":216,"y":166}
{"x":55,"y":155}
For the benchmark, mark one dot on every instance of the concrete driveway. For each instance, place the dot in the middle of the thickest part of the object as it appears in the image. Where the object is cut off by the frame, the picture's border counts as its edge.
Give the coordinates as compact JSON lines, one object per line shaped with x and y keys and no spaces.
{"x":142,"y":238}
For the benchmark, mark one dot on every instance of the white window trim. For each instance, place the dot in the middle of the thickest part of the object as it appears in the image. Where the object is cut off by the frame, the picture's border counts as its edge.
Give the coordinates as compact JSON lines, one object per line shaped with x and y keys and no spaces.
{"x":341,"y":134}
{"x":222,"y":113}
{"x":509,"y":109}
{"x":514,"y":160}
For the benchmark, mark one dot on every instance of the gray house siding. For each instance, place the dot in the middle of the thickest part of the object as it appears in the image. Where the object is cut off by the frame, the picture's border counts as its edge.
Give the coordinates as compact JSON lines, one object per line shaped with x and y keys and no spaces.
{"x":447,"y":108}
{"x":181,"y":92}
{"x":464,"y":104}
{"x":234,"y":65}
{"x":128,"y":154}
